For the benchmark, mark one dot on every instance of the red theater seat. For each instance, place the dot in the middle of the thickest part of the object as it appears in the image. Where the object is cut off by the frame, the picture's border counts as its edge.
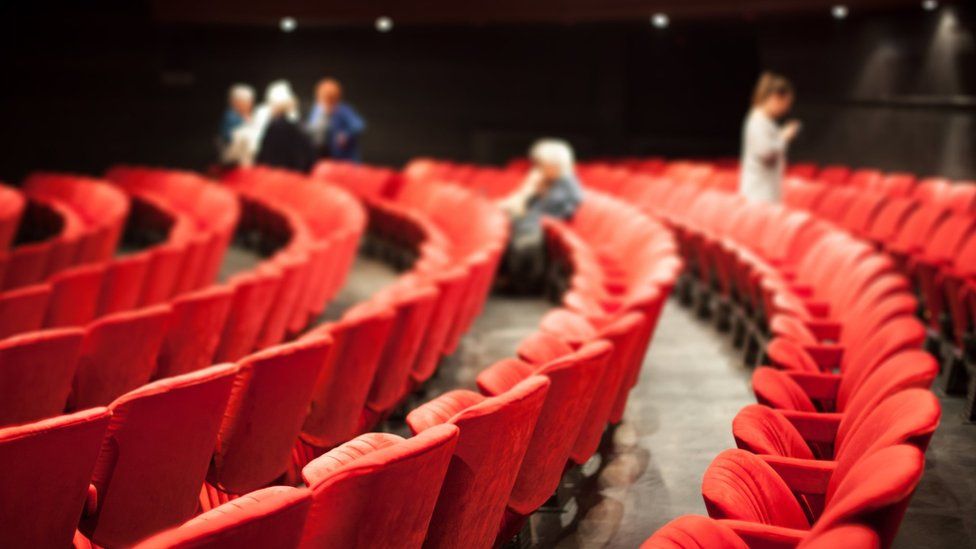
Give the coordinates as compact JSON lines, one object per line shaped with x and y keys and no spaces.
{"x":573,"y":380}
{"x":123,"y":281}
{"x":155,"y":456}
{"x":23,"y":310}
{"x":26,"y":264}
{"x":74,"y":296}
{"x":45,"y":482}
{"x":267,"y":406}
{"x":36,"y":370}
{"x":909,"y":416}
{"x":759,"y":491}
{"x":343,"y":383}
{"x":254,"y":293}
{"x":118,"y":354}
{"x":495,"y":433}
{"x":377,"y":490}
{"x":194,"y":331}
{"x":272,"y":517}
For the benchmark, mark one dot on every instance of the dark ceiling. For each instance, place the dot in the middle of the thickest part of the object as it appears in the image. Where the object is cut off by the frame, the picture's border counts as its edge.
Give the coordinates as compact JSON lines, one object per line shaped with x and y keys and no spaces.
{"x":333,"y":12}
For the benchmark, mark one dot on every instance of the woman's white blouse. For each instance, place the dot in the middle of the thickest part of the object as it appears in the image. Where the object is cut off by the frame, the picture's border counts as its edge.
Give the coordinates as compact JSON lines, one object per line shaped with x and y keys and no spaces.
{"x":763,"y":158}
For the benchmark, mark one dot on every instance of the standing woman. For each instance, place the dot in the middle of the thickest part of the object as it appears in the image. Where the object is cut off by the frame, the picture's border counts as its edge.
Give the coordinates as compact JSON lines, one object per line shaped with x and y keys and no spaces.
{"x":764,"y":141}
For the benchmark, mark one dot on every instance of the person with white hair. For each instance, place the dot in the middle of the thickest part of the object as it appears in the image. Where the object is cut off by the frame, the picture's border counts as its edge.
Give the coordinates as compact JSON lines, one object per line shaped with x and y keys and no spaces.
{"x":283,"y":144}
{"x":236,"y":141}
{"x":550,"y":189}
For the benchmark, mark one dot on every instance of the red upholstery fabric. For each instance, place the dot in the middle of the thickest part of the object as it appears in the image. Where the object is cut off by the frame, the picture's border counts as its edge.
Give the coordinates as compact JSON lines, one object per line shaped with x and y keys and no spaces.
{"x":155,"y":455}
{"x":573,"y":379}
{"x":495,"y":434}
{"x":540,"y":348}
{"x":23,"y":309}
{"x":194,"y":331}
{"x":74,"y":296}
{"x":124,"y":278}
{"x":845,"y":535}
{"x":118,"y":354}
{"x":694,"y":532}
{"x":46,"y":471}
{"x":165,"y":263}
{"x":387,"y":487}
{"x":343,"y":383}
{"x":36,"y":370}
{"x":738,"y":485}
{"x":623,"y":333}
{"x":267,"y":406}
{"x":414,"y":308}
{"x":253,"y":295}
{"x":272,"y":517}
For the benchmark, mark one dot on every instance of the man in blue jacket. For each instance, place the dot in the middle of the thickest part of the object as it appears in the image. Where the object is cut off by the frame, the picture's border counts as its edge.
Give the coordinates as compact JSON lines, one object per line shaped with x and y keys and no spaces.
{"x":335,"y":127}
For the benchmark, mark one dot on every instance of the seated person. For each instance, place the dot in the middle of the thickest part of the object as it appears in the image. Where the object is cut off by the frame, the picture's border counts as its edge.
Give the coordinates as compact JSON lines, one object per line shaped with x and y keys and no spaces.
{"x":550,"y":189}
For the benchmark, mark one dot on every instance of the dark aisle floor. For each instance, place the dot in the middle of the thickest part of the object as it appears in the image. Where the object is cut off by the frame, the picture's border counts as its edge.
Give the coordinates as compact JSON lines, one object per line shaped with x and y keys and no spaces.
{"x":678,"y":419}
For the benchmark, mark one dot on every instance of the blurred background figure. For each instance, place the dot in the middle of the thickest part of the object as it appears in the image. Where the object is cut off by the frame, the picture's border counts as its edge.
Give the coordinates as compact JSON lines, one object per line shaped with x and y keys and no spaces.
{"x":237,"y":141}
{"x":283,"y":142}
{"x":552,"y":189}
{"x":764,"y":141}
{"x":335,"y":127}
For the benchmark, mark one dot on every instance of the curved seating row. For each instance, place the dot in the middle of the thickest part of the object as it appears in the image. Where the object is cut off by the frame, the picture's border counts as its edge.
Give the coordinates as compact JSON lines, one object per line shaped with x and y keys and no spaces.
{"x":12,"y":205}
{"x":148,"y":453}
{"x":356,"y":382}
{"x":846,"y":386}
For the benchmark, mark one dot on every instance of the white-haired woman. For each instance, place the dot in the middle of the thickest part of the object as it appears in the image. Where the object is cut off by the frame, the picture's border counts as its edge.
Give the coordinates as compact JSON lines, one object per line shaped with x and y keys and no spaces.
{"x":283,"y":142}
{"x":237,"y":141}
{"x":550,"y":189}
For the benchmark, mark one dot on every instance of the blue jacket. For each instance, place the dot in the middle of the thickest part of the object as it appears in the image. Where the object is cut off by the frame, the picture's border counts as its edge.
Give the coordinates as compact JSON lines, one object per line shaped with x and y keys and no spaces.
{"x":343,"y":121}
{"x":230,"y":121}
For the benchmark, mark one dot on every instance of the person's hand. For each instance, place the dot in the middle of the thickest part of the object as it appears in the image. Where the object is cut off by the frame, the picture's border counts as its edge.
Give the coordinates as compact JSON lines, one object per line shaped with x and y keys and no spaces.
{"x":790,"y":129}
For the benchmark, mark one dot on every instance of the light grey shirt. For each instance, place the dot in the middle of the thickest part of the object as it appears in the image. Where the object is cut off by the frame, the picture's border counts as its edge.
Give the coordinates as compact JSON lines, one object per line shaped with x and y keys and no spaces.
{"x":763,"y":158}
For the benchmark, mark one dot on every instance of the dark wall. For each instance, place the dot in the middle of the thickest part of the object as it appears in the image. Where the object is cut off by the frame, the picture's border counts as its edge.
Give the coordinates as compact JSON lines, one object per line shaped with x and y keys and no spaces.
{"x":86,"y":89}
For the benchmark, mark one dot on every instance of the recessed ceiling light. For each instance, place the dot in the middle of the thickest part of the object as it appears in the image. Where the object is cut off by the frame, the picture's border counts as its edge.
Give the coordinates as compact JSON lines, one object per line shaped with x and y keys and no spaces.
{"x":288,"y":24}
{"x":839,"y":11}
{"x":384,"y":24}
{"x":660,"y":20}
{"x":930,"y":5}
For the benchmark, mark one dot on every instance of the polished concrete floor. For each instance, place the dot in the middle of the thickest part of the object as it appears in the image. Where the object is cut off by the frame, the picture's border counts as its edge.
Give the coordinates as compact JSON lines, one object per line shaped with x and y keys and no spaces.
{"x":678,"y":419}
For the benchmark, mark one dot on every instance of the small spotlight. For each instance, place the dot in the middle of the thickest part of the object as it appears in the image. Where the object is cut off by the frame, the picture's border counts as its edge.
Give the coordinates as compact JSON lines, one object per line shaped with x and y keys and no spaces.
{"x":288,"y":24}
{"x":384,"y":24}
{"x":930,"y":5}
{"x":660,"y":20}
{"x":839,"y":11}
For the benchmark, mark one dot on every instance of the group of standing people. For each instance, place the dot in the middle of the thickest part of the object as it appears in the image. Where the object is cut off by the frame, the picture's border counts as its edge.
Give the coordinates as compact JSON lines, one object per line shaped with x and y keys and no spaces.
{"x":274,"y":134}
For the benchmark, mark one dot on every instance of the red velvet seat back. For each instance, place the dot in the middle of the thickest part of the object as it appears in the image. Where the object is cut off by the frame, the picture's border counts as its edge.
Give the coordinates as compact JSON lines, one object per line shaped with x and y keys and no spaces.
{"x":450,"y":287}
{"x":74,"y":296}
{"x":194,"y":331}
{"x":900,"y":334}
{"x":495,"y":434}
{"x":624,"y":334}
{"x":378,"y":490}
{"x":875,"y":491}
{"x":844,"y":535}
{"x":343,"y":383}
{"x":118,"y":354}
{"x":414,"y":308}
{"x":122,"y":284}
{"x":904,"y":370}
{"x":267,"y":406}
{"x":165,"y":262}
{"x":46,"y":469}
{"x":253,"y":295}
{"x":155,"y":455}
{"x":23,"y":309}
{"x":36,"y":370}
{"x":272,"y":517}
{"x":292,"y":266}
{"x":26,"y":264}
{"x":573,"y":380}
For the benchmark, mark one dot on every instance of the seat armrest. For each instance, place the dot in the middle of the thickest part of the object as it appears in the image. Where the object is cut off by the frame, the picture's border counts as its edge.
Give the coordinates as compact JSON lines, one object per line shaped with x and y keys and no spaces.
{"x":825,"y":330}
{"x":807,"y":476}
{"x":818,"y":386}
{"x":827,"y":355}
{"x":813,"y":426}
